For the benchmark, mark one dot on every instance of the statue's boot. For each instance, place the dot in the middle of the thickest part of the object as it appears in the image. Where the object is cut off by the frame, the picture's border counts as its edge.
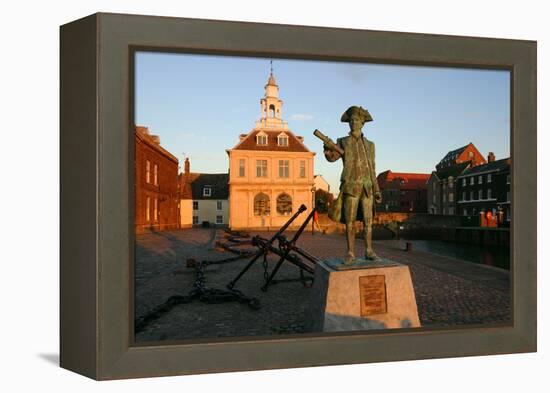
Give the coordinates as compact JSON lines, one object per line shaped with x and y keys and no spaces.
{"x":371,"y":255}
{"x":349,"y":258}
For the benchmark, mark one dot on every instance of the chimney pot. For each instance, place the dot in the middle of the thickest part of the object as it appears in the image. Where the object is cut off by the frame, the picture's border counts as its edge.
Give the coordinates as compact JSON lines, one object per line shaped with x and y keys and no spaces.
{"x":187,"y":165}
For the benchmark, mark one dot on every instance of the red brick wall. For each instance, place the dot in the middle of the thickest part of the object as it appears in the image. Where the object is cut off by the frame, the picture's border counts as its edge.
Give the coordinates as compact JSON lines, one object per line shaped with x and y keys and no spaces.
{"x":166,"y":190}
{"x":411,"y":196}
{"x":477,"y":159}
{"x":413,"y":201}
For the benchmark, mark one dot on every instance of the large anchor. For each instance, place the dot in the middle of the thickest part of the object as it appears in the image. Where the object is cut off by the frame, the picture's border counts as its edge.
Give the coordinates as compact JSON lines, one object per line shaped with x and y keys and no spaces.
{"x":286,"y":250}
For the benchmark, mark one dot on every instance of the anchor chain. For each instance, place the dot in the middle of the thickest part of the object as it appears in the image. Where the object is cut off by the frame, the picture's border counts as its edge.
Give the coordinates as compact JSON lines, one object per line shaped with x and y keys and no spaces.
{"x":199,"y":292}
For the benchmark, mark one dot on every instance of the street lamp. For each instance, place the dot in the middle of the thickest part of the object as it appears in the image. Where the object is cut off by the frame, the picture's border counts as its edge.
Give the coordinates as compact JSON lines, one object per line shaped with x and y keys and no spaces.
{"x":313,"y":207}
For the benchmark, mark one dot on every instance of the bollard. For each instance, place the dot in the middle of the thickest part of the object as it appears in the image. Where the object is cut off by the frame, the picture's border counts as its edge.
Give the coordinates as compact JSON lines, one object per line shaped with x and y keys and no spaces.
{"x":408,"y":246}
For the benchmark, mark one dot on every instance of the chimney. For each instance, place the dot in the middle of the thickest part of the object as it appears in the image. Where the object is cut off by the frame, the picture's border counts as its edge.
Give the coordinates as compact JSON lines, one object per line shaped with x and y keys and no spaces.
{"x":142,"y":130}
{"x":156,"y":139}
{"x":491,"y":157}
{"x":187,"y":166}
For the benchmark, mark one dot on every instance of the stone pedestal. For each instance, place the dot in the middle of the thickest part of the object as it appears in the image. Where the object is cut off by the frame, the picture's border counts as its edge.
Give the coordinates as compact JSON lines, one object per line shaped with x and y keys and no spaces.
{"x":371,"y":295}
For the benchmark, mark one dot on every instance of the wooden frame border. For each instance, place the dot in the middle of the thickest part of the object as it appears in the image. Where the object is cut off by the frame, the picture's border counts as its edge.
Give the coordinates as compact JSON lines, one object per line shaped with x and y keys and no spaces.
{"x":97,"y":197}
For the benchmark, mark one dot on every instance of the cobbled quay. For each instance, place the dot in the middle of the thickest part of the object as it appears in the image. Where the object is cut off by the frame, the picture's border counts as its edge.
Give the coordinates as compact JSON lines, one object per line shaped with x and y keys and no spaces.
{"x":449,"y":292}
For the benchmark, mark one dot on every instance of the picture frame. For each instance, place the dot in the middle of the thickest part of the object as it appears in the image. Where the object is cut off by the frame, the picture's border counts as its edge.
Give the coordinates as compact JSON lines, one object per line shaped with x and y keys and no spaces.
{"x":96,"y":250}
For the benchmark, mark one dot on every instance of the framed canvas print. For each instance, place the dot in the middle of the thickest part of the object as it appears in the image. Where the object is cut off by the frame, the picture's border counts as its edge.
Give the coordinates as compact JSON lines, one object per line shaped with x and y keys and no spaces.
{"x":243,"y":196}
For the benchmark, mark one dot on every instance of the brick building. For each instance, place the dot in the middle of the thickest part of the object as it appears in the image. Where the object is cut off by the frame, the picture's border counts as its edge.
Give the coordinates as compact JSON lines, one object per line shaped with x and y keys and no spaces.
{"x":484,"y":191}
{"x":442,"y":182}
{"x":403,"y":192}
{"x":156,"y":184}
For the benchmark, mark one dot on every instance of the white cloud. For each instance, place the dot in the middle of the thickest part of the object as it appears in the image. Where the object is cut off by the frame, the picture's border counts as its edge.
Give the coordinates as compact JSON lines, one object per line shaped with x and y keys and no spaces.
{"x":301,"y":116}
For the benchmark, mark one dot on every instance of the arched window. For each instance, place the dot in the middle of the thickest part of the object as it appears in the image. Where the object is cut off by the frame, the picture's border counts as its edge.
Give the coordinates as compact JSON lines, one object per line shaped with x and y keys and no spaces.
{"x":261,"y":205}
{"x":284,"y":204}
{"x":271,"y":110}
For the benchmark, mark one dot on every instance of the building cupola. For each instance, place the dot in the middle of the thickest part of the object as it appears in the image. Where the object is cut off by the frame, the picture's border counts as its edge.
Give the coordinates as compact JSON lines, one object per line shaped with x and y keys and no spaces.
{"x":271,"y":105}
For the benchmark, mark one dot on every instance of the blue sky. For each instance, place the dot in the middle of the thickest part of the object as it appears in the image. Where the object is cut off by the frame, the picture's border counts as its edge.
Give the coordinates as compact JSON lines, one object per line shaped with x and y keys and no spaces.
{"x":199,"y":104}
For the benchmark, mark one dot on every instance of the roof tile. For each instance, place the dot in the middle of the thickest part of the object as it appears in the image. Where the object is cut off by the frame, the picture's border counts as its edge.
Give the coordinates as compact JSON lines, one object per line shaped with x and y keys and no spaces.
{"x":249,"y":143}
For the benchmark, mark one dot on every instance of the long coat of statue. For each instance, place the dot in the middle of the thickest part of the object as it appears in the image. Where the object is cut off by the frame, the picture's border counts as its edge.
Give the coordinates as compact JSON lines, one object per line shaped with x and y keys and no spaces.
{"x":349,"y":184}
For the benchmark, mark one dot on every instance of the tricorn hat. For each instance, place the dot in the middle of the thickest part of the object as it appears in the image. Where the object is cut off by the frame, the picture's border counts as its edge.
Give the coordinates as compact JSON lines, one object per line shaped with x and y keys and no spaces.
{"x":359,"y":109}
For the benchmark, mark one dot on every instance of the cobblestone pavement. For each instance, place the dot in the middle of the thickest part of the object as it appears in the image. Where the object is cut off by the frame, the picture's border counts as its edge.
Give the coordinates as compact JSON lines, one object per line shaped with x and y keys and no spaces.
{"x":449,"y":292}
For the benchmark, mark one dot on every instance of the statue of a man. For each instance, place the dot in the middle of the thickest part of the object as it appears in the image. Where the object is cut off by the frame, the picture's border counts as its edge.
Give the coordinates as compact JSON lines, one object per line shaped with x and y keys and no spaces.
{"x":358,"y":185}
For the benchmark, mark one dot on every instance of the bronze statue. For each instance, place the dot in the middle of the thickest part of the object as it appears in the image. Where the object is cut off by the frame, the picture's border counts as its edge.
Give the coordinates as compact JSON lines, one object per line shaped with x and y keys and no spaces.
{"x":358,"y":186}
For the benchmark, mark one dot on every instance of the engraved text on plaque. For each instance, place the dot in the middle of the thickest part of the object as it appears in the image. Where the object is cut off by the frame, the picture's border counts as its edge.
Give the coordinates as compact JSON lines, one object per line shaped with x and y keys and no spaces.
{"x":372,"y":290}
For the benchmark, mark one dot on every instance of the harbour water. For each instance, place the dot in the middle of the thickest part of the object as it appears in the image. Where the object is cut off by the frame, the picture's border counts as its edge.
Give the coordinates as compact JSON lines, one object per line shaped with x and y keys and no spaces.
{"x":496,"y":256}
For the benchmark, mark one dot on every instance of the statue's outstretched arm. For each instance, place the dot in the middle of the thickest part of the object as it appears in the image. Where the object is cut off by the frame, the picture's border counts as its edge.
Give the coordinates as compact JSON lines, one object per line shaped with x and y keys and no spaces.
{"x":330,"y":154}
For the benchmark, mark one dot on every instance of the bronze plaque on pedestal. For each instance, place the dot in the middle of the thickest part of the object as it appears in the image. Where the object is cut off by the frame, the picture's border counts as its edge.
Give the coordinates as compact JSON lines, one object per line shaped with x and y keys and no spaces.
{"x":372,"y":290}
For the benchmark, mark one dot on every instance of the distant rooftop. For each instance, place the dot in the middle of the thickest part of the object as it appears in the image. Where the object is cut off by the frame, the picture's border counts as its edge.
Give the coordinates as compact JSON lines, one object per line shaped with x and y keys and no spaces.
{"x":249,"y":142}
{"x":495,"y":166}
{"x":408,"y":180}
{"x":194,"y":187}
{"x":453,"y":170}
{"x":153,"y":141}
